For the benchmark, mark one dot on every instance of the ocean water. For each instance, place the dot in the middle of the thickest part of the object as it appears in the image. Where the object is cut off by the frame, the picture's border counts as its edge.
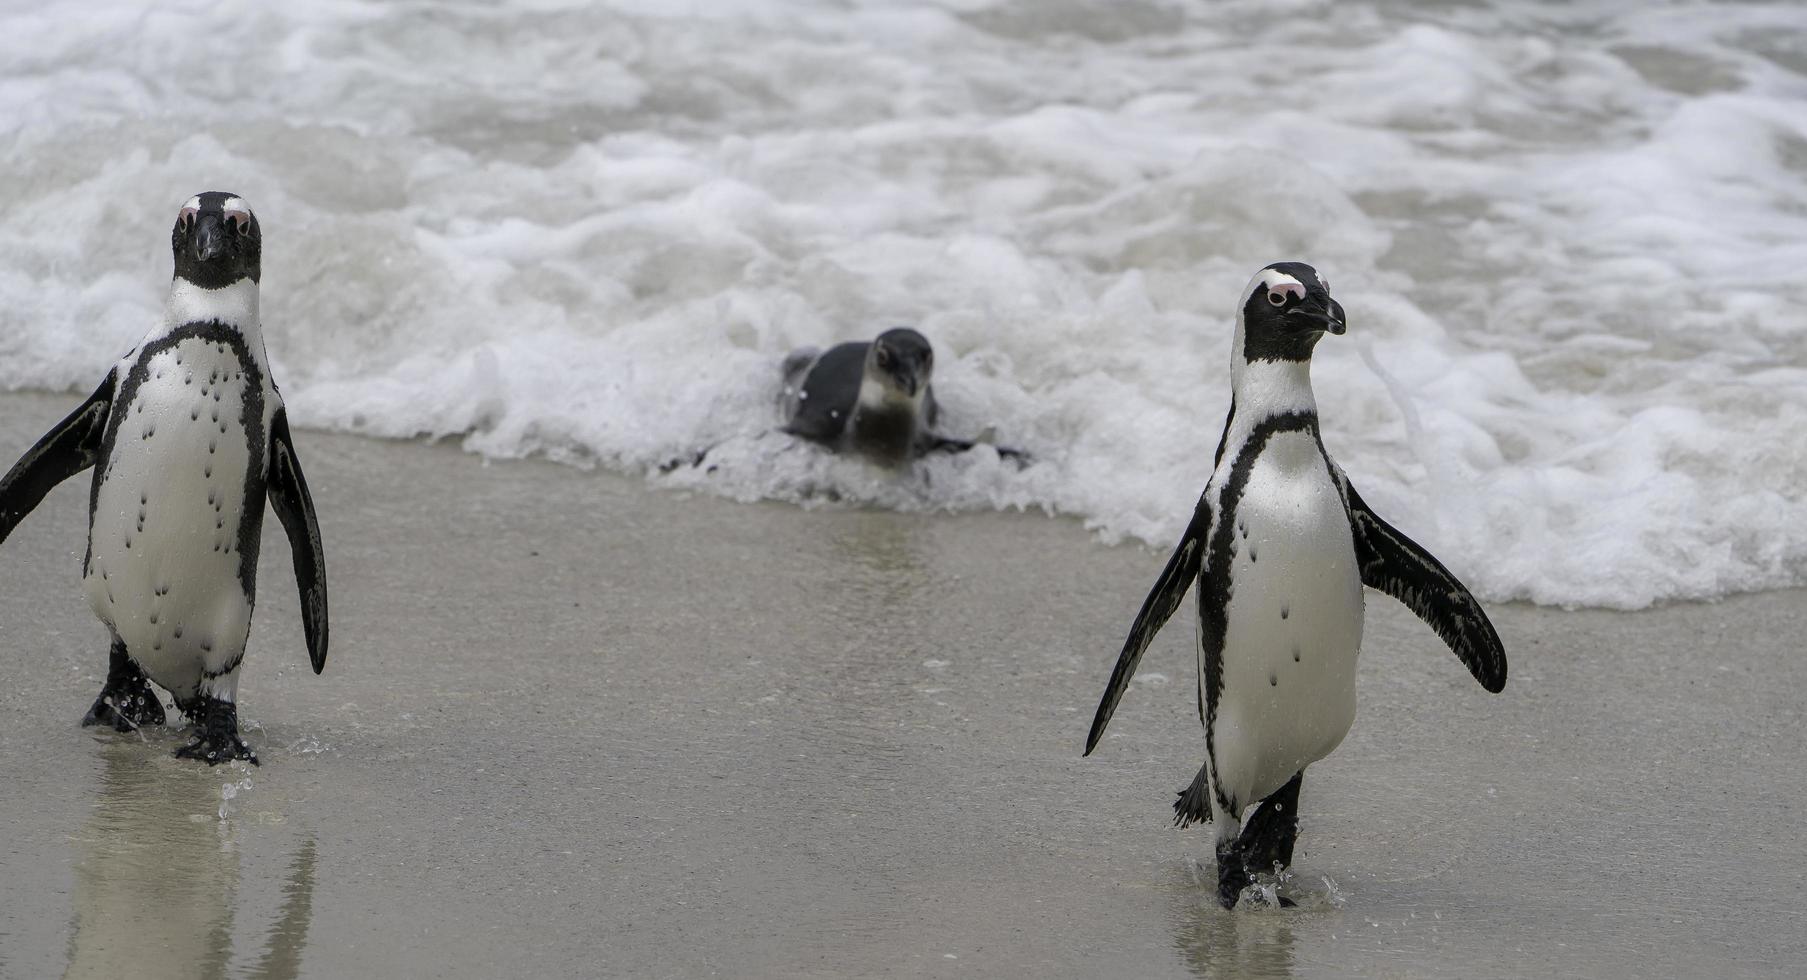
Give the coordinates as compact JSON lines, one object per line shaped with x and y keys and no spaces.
{"x":1569,"y":237}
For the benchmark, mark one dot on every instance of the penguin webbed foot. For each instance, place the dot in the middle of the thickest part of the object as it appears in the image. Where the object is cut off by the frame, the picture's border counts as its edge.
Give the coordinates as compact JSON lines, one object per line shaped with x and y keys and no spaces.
{"x":216,"y":734}
{"x":1016,"y":457}
{"x":125,"y":709}
{"x":944,"y":444}
{"x":214,"y":750}
{"x":693,"y":461}
{"x":1234,"y":875}
{"x":126,"y":700}
{"x":1265,"y":845}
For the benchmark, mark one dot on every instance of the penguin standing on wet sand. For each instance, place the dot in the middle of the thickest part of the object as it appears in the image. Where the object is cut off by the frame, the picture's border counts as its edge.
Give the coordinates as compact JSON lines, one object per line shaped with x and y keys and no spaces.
{"x":870,"y":398}
{"x":188,"y":436}
{"x":1281,"y":545}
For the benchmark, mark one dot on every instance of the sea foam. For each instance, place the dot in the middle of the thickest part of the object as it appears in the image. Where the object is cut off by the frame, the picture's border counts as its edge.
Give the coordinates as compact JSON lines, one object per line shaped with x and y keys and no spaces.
{"x":1568,"y":236}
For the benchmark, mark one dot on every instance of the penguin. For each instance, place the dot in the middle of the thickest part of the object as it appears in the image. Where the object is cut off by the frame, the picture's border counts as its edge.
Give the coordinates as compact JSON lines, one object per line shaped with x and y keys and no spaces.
{"x":1281,"y":545}
{"x":188,"y":437}
{"x":870,"y":398}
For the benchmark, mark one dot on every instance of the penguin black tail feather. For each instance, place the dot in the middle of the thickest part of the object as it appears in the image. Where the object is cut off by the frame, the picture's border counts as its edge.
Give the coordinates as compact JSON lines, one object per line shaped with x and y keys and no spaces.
{"x":1194,"y":803}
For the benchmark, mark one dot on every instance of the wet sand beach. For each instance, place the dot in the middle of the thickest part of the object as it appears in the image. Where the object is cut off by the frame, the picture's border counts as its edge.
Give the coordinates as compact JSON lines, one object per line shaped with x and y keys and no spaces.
{"x":572,"y":726}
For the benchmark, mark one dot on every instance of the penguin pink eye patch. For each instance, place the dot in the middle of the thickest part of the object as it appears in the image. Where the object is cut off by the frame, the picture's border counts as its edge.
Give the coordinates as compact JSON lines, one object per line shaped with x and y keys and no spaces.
{"x":238,"y":221}
{"x":1278,"y":295}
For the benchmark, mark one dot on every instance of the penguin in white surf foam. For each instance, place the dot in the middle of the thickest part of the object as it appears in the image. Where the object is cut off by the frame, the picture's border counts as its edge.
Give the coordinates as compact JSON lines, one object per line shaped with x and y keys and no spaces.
{"x":187,"y":436}
{"x":873,"y":399}
{"x":1281,"y":545}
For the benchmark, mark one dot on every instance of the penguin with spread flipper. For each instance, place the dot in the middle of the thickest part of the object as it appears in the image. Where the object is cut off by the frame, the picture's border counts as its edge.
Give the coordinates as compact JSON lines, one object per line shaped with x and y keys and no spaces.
{"x":188,"y":438}
{"x":1281,"y":545}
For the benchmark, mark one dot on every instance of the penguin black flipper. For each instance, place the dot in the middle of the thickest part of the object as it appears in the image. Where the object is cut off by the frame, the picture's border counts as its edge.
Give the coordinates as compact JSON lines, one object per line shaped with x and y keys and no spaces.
{"x":294,"y":506}
{"x":828,"y":388}
{"x":1398,"y":566}
{"x":1169,"y":590}
{"x":69,"y":448}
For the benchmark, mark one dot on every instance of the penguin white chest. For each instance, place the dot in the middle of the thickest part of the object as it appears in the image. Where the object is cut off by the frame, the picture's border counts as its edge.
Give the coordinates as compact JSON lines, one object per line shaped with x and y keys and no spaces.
{"x":173,"y":535}
{"x":1293,"y":625}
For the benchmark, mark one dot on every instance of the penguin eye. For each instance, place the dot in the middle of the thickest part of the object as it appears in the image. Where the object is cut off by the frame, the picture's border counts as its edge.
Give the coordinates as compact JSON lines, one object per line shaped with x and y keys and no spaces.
{"x":240,"y":221}
{"x":1278,"y":295}
{"x":186,"y":218}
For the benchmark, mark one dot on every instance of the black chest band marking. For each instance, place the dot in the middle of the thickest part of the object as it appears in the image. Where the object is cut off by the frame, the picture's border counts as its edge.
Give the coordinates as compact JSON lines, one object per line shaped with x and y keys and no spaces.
{"x":1214,"y":590}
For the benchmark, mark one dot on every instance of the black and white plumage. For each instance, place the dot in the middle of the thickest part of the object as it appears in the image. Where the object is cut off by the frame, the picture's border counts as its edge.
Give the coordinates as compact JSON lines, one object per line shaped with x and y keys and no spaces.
{"x":188,"y":437}
{"x":1281,"y":545}
{"x":871,"y":398}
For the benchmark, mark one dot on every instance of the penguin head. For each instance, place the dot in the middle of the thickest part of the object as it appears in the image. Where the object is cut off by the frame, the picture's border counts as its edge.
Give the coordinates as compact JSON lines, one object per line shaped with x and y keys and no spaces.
{"x":900,"y":361}
{"x":217,"y":241}
{"x":1285,"y":309}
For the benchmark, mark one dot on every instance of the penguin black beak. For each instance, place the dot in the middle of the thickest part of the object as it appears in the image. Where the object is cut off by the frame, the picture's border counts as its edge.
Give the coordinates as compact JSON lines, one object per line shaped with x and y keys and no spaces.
{"x":209,"y":238}
{"x":909,"y":377}
{"x":1327,"y":316}
{"x":905,"y":370}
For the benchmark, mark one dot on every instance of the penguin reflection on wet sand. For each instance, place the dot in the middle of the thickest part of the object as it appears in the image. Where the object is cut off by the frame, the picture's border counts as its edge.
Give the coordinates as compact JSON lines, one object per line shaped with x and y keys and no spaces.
{"x":188,"y":437}
{"x":1281,"y":546}
{"x":870,"y":398}
{"x":157,"y":886}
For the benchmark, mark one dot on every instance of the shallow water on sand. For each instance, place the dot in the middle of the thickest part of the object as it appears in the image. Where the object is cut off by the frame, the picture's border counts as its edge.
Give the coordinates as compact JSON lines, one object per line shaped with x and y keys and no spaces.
{"x":574,"y":727}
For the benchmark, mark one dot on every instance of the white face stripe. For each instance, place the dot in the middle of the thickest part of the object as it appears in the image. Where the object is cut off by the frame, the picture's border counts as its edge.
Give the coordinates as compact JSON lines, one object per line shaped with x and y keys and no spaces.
{"x":1272,"y":278}
{"x":231,"y":204}
{"x":1275,"y":280}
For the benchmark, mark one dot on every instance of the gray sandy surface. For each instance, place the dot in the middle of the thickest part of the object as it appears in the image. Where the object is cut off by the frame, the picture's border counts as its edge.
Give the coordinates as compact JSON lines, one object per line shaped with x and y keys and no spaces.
{"x":575,"y":727}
